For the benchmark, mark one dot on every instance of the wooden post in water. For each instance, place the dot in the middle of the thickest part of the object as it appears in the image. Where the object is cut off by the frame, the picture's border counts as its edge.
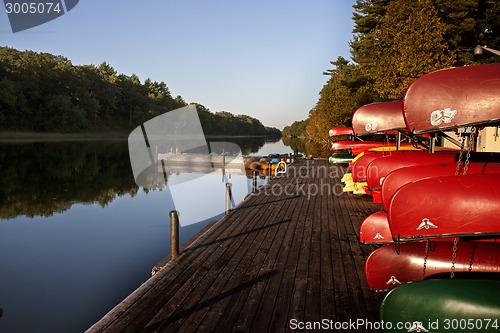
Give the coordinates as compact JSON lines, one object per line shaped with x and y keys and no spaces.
{"x":229,"y":196}
{"x":174,"y":234}
{"x":254,"y":181}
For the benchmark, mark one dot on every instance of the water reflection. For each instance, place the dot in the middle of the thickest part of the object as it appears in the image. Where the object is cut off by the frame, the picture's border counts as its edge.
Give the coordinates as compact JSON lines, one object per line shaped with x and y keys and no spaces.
{"x":76,"y":233}
{"x":308,"y":147}
{"x":43,"y":178}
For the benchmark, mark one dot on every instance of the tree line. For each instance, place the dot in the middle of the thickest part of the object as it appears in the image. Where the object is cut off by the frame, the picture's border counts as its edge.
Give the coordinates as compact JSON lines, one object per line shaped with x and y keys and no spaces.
{"x":66,"y":173}
{"x":395,"y":42}
{"x":47,"y":93}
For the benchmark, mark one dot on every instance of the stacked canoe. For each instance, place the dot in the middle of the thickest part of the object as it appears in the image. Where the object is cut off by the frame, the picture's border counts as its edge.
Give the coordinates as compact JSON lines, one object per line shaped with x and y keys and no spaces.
{"x":439,"y":224}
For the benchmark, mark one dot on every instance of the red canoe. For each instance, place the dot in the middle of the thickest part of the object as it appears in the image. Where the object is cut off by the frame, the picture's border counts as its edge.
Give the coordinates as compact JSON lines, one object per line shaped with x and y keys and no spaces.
{"x":337,"y":131}
{"x":375,"y":229}
{"x":452,"y":98}
{"x":379,"y":168}
{"x":385,"y":269}
{"x":378,"y":117}
{"x":358,"y":147}
{"x":359,"y":168}
{"x":449,"y":206}
{"x":400,"y":177}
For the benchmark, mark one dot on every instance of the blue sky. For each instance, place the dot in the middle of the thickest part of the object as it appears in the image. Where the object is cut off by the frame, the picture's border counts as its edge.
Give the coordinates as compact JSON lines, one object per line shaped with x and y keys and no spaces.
{"x":261,"y":58}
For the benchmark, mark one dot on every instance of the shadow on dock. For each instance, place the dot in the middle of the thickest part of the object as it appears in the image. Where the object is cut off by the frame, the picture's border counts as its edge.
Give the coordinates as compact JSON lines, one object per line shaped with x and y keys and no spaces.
{"x":275,"y":260}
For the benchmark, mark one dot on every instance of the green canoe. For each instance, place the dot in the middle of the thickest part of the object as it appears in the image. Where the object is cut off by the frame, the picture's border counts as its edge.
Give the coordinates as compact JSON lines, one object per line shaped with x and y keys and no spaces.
{"x":458,"y":305}
{"x":339,"y":158}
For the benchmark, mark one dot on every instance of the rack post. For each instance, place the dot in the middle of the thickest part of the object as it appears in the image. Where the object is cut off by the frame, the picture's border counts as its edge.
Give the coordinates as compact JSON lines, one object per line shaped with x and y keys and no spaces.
{"x":174,"y":234}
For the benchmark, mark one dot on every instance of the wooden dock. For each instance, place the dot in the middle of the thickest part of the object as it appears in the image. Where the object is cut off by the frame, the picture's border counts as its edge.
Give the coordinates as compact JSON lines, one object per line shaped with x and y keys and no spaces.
{"x":286,"y":256}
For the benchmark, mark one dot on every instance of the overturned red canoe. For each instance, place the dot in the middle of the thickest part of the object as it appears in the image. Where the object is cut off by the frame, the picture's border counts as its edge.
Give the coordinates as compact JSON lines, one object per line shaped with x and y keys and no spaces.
{"x":449,"y":206}
{"x":385,"y":268}
{"x":400,"y":177}
{"x":379,"y":168}
{"x":378,"y":117}
{"x":359,"y":168}
{"x":453,"y":97}
{"x":358,"y":147}
{"x":337,"y":131}
{"x":375,"y":229}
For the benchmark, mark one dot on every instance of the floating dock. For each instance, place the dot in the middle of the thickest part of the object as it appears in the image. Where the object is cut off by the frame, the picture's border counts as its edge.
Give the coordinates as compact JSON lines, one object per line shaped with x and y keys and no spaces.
{"x":285,"y":258}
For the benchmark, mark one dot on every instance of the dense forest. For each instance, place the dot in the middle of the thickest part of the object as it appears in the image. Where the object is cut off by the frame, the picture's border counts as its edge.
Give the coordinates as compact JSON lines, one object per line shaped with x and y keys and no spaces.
{"x":394,"y":42}
{"x":47,"y":93}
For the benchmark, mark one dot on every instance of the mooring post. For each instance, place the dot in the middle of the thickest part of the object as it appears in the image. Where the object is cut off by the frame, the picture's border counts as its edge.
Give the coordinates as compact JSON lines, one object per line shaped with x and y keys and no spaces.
{"x":228,"y":197}
{"x":254,"y":181}
{"x":174,"y":234}
{"x":270,"y":169}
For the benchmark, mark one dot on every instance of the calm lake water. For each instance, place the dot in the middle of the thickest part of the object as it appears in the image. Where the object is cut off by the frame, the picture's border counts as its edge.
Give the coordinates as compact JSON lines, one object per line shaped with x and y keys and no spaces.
{"x":76,"y":233}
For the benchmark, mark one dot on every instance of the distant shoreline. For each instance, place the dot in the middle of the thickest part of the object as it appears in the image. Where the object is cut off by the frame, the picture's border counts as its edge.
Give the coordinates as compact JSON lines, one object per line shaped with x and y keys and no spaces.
{"x":13,"y":137}
{"x":9,"y":136}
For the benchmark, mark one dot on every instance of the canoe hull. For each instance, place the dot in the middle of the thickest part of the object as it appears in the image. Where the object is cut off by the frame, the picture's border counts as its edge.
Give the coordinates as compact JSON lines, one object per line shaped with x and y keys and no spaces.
{"x":443,"y":306}
{"x":378,"y":117}
{"x":379,"y":168}
{"x":400,"y":177}
{"x":337,"y":131}
{"x":453,"y":97}
{"x":340,"y":158}
{"x":360,"y":167}
{"x":449,"y":206}
{"x":375,"y":229}
{"x":385,"y":268}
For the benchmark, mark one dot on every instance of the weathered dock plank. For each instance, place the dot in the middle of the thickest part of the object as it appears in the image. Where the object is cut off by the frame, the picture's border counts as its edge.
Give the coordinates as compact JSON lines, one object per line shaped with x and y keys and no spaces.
{"x":286,"y":255}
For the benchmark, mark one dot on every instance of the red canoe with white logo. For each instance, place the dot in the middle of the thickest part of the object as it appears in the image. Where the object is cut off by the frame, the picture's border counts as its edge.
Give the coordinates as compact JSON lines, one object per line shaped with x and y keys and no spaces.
{"x":375,"y":229}
{"x":385,"y":268}
{"x":378,"y":118}
{"x":379,"y":168}
{"x":453,"y":97}
{"x":337,"y":131}
{"x":448,"y":206}
{"x":400,"y":177}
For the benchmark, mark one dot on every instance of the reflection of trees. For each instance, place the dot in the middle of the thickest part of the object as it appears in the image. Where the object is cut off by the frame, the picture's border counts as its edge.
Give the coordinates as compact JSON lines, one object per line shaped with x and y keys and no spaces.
{"x":43,"y":178}
{"x":40,"y":179}
{"x":248,"y":145}
{"x":307,"y":147}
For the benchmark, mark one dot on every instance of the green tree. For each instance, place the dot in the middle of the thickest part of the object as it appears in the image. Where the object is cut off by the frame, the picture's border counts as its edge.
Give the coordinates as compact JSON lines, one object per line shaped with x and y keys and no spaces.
{"x":345,"y":91}
{"x":45,"y":92}
{"x":366,"y":16}
{"x":409,"y":43}
{"x":133,"y":98}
